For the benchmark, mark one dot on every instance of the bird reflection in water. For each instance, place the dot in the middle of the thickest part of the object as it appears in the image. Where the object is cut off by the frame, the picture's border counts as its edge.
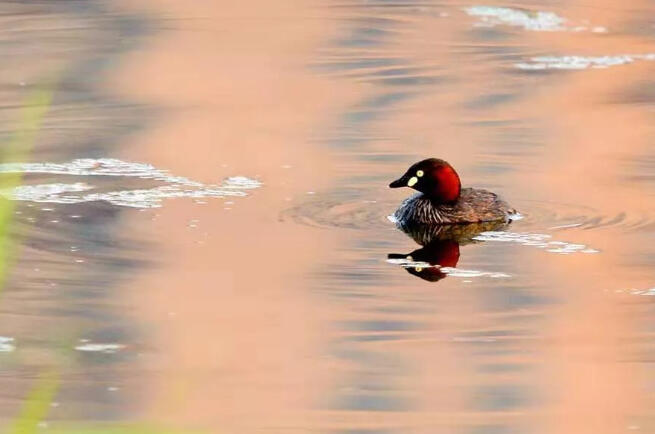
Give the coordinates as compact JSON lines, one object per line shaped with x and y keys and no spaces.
{"x":440,"y":247}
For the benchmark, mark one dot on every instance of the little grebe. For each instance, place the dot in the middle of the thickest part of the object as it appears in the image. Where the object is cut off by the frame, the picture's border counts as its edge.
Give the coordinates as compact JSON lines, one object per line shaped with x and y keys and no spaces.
{"x":441,"y":199}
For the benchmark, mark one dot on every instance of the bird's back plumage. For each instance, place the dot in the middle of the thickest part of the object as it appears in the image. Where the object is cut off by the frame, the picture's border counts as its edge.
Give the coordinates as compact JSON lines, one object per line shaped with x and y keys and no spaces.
{"x":473,"y":206}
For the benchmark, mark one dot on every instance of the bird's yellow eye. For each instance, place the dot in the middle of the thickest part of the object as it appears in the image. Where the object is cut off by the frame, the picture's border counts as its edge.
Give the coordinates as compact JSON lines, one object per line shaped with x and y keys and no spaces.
{"x":419,"y":173}
{"x":418,"y":269}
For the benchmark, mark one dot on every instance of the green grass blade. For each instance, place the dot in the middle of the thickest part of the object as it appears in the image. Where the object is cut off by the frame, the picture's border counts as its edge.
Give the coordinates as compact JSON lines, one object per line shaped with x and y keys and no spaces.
{"x":36,"y":405}
{"x":18,"y":149}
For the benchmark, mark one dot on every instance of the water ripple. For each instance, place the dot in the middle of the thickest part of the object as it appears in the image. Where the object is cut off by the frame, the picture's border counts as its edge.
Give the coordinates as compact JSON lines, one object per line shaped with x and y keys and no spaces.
{"x":99,"y":348}
{"x":6,"y":344}
{"x":419,"y":266}
{"x":175,"y":186}
{"x":491,"y":16}
{"x":541,"y":63}
{"x":541,"y":241}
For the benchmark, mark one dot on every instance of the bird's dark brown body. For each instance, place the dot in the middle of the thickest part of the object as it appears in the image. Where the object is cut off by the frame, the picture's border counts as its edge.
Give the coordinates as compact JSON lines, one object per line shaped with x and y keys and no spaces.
{"x":473,"y":206}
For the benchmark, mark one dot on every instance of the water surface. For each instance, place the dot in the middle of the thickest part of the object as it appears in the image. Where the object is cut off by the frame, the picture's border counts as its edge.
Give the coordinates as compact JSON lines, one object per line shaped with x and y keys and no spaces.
{"x":292,"y":306}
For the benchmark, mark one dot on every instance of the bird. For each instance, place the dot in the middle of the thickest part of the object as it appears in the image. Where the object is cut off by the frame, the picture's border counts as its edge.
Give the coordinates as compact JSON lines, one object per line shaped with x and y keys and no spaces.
{"x":441,"y":200}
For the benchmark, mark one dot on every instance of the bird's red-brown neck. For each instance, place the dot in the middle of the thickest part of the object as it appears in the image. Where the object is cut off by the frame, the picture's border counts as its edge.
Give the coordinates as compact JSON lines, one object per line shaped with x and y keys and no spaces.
{"x":447,"y":185}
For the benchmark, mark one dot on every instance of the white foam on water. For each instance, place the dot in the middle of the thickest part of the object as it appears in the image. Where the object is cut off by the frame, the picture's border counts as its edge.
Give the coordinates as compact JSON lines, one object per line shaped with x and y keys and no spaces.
{"x":541,"y":241}
{"x":98,"y":167}
{"x":6,"y":344}
{"x":47,"y":192}
{"x":409,"y":263}
{"x":536,"y":21}
{"x":450,"y":271}
{"x":648,"y":292}
{"x":541,"y":63}
{"x":491,"y":16}
{"x":175,"y":186}
{"x":99,"y":348}
{"x":460,"y":272}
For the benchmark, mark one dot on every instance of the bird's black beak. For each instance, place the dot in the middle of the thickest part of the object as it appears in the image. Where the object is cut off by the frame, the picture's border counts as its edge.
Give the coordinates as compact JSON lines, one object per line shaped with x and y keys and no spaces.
{"x":396,"y":256}
{"x":400,"y":182}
